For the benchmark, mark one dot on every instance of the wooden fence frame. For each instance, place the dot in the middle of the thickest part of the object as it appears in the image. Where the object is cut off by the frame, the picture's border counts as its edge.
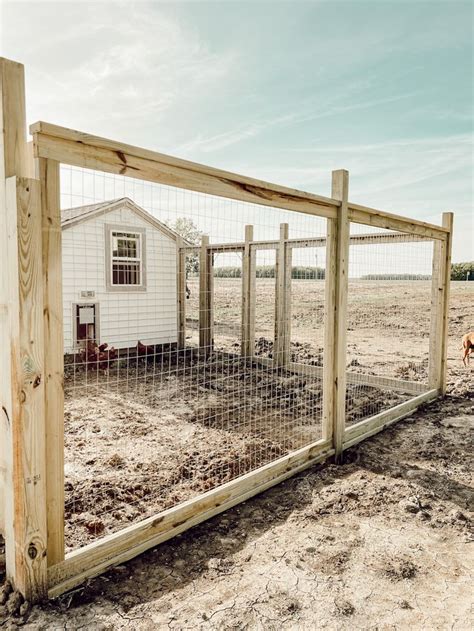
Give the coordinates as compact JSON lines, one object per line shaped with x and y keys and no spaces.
{"x":31,"y":351}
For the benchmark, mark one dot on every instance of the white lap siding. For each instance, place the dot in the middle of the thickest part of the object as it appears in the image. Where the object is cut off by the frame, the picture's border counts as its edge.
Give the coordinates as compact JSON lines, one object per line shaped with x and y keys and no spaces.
{"x":124,"y":316}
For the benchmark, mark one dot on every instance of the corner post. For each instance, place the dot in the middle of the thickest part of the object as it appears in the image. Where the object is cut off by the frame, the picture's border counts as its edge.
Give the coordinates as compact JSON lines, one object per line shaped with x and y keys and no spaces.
{"x":248,"y":295}
{"x":281,"y":343}
{"x":22,"y":428}
{"x":448,"y":219}
{"x":339,"y":289}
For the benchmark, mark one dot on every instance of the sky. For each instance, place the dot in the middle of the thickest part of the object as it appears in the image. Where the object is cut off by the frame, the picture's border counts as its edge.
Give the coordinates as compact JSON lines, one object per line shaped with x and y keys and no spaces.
{"x":281,"y":91}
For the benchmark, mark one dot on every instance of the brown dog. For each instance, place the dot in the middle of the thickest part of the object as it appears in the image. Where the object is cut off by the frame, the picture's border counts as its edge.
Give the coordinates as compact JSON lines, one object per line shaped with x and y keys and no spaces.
{"x":467,"y":347}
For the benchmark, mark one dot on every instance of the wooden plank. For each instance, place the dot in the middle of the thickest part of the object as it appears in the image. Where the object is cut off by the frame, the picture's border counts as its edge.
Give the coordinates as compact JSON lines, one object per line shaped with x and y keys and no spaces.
{"x":125,"y":544}
{"x":13,"y":161}
{"x":448,"y":219}
{"x":329,"y":365}
{"x":206,"y":315}
{"x":353,"y":378}
{"x":436,"y":323}
{"x":281,"y":342}
{"x":370,"y":426}
{"x":48,"y":175}
{"x":181,"y":292}
{"x":340,"y":190}
{"x":26,"y":533}
{"x":381,"y":219}
{"x":247,"y":344}
{"x":84,"y":150}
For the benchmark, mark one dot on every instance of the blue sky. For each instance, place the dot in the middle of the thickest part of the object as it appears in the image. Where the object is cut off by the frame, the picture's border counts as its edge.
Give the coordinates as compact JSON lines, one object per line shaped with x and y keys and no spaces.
{"x":283,"y":91}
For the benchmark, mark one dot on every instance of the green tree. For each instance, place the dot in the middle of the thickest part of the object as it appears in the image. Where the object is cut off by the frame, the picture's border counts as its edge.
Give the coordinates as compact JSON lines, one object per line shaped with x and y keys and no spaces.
{"x":462,"y":271}
{"x":187,"y":229}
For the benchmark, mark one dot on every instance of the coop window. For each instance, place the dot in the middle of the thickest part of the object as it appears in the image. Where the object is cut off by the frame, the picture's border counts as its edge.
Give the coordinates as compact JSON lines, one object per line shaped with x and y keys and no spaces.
{"x":126,"y":252}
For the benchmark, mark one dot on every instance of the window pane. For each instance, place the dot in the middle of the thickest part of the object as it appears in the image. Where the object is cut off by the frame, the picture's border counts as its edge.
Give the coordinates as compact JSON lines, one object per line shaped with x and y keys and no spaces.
{"x":126,"y":274}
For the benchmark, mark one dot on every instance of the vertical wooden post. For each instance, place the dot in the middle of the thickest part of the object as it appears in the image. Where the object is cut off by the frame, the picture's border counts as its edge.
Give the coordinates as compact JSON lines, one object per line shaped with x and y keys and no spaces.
{"x":281,"y":344}
{"x":446,"y":281}
{"x":248,"y":295}
{"x":206,"y":316}
{"x":440,"y":283}
{"x":181,"y":292}
{"x":329,"y":365}
{"x":21,"y":348}
{"x":339,"y":285}
{"x":26,"y":533}
{"x":47,"y":171}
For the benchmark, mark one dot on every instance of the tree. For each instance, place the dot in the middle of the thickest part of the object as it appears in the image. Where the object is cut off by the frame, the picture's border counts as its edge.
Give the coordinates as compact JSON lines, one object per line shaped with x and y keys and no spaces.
{"x":462,"y":271}
{"x":187,"y":229}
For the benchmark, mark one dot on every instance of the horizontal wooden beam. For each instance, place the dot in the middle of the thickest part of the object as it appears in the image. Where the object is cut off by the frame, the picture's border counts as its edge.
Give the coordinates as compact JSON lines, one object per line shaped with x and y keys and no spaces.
{"x":84,"y":150}
{"x":370,"y":426}
{"x":353,"y":378}
{"x":356,"y":239}
{"x":381,"y":219}
{"x":97,"y":557}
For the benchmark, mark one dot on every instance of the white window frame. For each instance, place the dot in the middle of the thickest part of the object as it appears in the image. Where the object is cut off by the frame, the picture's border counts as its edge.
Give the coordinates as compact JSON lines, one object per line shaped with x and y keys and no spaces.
{"x":111,"y":232}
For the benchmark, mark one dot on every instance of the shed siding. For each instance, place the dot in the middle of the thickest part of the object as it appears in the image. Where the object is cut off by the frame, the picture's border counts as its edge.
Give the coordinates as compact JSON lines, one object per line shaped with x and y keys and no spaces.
{"x":128,"y":316}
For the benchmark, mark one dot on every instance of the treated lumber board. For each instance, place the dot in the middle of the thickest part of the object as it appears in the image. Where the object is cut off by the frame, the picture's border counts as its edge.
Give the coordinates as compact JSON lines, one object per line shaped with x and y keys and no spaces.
{"x":206,"y":297}
{"x":84,"y":150}
{"x":97,"y":557}
{"x":381,"y":219}
{"x":370,"y":426}
{"x":247,"y":343}
{"x":448,"y":219}
{"x":181,"y":291}
{"x":13,"y":161}
{"x":47,"y":172}
{"x":329,"y":365}
{"x":281,"y":341}
{"x":437,"y":306}
{"x":340,"y":190}
{"x":26,"y":527}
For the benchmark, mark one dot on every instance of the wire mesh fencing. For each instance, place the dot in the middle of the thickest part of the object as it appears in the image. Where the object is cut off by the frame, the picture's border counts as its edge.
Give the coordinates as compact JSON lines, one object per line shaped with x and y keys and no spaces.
{"x":153,"y":418}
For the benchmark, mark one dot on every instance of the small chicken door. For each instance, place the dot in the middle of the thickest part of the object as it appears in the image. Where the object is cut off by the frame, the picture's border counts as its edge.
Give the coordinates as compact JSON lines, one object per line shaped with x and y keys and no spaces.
{"x":86,"y":324}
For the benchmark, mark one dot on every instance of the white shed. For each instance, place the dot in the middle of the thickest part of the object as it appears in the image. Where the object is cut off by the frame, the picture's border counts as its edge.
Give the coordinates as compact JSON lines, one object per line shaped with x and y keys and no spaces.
{"x":119,"y":276}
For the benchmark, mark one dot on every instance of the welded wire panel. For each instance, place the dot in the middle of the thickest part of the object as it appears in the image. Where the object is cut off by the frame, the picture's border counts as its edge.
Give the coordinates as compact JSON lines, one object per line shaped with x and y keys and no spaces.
{"x":389,"y":319}
{"x":162,"y":400}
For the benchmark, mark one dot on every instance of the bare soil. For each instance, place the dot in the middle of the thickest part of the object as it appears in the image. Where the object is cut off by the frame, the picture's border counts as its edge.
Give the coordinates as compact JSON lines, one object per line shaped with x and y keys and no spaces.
{"x":383,"y":541}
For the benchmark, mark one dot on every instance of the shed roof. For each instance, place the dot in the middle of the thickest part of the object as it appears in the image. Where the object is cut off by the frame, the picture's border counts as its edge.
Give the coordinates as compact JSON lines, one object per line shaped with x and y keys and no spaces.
{"x":73,"y":216}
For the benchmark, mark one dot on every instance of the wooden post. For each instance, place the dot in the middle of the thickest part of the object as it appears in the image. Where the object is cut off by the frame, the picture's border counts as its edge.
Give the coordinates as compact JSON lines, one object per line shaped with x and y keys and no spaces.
{"x":25,"y":493}
{"x":446,"y":281}
{"x":248,"y":295}
{"x":22,"y":428}
{"x":329,"y":365}
{"x":440,"y":283}
{"x":281,"y":344}
{"x":47,"y":171}
{"x":336,"y":293}
{"x":181,"y":292}
{"x":206,"y":316}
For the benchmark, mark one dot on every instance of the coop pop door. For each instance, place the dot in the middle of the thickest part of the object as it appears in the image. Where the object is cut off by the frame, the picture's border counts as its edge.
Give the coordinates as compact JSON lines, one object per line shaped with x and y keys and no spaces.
{"x":86,"y":324}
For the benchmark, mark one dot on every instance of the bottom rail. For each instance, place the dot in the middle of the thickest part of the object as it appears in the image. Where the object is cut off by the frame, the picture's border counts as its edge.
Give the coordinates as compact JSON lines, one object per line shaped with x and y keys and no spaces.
{"x":374,"y":424}
{"x":97,"y":557}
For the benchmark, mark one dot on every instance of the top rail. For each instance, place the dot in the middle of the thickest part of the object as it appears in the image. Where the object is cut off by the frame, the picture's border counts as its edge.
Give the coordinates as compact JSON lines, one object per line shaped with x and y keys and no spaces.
{"x":93,"y":152}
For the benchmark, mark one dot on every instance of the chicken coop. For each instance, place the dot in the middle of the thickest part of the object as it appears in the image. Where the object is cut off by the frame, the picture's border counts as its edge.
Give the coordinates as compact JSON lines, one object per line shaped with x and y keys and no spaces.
{"x":176,"y":339}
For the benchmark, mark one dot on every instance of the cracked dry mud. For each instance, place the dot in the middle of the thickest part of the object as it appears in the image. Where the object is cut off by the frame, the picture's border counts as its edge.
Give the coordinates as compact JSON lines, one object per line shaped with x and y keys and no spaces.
{"x":382,"y":542}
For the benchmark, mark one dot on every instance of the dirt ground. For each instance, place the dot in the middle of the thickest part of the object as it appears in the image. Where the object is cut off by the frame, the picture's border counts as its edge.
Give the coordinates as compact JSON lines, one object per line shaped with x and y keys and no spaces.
{"x":383,"y":541}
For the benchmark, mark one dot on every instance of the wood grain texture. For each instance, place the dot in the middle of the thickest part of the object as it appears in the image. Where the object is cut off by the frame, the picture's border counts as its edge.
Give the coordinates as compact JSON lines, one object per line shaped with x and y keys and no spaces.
{"x":248,"y":295}
{"x":448,"y":220}
{"x":26,"y":534}
{"x":340,"y":190}
{"x":47,"y":172}
{"x":13,"y":161}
